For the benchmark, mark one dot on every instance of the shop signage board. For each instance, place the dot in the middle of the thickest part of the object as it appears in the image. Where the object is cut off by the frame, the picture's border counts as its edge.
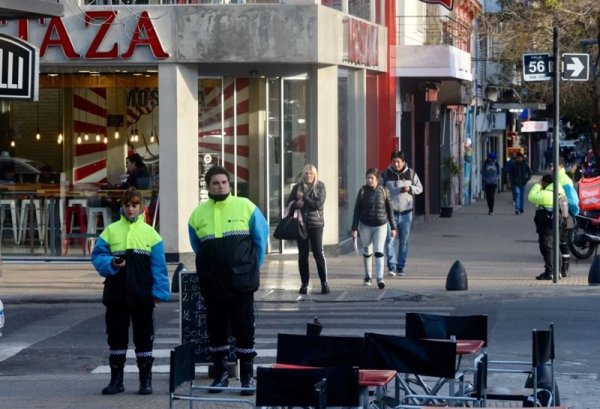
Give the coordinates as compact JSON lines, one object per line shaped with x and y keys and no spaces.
{"x":536,"y":67}
{"x":19,"y":69}
{"x":449,"y":4}
{"x":534,"y":126}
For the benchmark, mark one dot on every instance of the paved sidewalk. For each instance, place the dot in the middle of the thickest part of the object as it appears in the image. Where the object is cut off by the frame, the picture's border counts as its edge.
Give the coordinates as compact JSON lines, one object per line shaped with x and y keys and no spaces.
{"x":499,"y":252}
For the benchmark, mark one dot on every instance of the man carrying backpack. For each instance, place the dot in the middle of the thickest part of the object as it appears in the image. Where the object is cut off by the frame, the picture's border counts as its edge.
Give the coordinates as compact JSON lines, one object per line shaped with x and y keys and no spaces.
{"x":520,"y":173}
{"x":490,"y":173}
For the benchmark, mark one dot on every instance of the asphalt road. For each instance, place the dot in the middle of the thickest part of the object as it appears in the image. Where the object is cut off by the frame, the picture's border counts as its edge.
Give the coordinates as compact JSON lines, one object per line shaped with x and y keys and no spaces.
{"x":69,"y":339}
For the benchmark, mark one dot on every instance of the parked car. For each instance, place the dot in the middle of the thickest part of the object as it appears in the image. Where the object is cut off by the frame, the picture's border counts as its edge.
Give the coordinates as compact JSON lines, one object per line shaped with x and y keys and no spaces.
{"x":27,"y":170}
{"x":1,"y":317}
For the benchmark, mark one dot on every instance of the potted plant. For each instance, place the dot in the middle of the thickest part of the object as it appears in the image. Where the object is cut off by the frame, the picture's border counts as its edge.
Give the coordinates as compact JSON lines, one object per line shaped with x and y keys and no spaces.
{"x":451,"y":170}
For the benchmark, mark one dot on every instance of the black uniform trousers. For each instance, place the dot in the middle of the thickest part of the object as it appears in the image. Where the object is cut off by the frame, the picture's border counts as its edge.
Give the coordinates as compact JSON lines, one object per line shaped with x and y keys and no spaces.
{"x":227,"y":316}
{"x":141,"y":318}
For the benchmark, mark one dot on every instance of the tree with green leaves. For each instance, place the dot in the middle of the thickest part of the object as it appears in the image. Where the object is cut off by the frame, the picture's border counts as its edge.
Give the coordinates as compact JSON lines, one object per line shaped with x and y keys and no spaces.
{"x":526,"y":26}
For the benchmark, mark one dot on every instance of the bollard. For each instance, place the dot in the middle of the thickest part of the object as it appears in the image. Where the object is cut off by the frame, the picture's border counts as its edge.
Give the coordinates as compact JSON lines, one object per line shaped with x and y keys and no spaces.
{"x":594,"y":274}
{"x":457,"y":277}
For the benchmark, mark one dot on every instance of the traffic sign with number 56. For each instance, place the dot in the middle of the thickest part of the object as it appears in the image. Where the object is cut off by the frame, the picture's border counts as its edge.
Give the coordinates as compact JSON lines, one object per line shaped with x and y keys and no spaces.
{"x":536,"y":67}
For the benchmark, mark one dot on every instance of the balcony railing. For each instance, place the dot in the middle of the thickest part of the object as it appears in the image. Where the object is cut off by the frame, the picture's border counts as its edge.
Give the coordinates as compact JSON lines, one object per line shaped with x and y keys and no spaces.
{"x":169,"y":2}
{"x":433,"y":30}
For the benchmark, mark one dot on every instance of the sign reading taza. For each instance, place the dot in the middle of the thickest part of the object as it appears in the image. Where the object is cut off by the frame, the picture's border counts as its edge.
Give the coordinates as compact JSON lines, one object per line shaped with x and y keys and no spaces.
{"x":19,"y":69}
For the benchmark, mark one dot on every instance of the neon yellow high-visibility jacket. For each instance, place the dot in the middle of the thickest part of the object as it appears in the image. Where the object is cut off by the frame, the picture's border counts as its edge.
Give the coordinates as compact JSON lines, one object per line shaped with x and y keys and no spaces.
{"x":545,"y":198}
{"x":229,"y":238}
{"x":145,"y":274}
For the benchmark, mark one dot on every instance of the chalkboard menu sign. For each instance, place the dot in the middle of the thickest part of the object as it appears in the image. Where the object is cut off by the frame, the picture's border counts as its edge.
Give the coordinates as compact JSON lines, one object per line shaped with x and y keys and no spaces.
{"x":193,"y":315}
{"x":192,"y":323}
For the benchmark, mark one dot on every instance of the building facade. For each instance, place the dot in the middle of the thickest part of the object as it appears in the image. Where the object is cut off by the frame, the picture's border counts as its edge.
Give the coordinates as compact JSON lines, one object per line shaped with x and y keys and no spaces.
{"x":261,"y":89}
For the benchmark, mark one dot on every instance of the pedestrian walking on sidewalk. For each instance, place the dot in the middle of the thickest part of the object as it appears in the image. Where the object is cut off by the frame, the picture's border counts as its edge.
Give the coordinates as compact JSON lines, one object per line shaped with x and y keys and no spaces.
{"x":131,"y":256}
{"x":372,"y":213}
{"x":309,"y":197}
{"x":490,"y":174}
{"x":403,"y":184}
{"x":520,"y":173}
{"x":229,"y":236}
{"x":542,"y":196}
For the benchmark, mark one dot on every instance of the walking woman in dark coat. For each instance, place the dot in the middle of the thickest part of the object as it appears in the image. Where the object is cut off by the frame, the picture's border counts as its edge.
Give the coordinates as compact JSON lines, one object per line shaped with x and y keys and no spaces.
{"x":309,"y":197}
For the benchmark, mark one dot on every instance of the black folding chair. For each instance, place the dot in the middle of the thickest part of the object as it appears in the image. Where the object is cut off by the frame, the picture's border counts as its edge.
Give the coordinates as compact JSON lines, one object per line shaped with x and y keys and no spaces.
{"x":317,"y":387}
{"x":463,"y":327}
{"x":415,"y":358}
{"x":319,"y":351}
{"x":542,"y":358}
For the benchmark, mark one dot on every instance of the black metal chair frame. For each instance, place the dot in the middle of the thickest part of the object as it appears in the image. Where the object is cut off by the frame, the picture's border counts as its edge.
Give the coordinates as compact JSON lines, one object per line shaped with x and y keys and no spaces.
{"x":542,"y":354}
{"x":183,"y":370}
{"x":434,"y":326}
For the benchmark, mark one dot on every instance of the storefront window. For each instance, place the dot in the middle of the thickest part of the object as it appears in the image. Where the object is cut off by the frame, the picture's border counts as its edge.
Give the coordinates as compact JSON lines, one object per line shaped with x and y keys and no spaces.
{"x":346,"y":208}
{"x":288,"y":145}
{"x":63,"y":160}
{"x":223,"y":124}
{"x":210,"y":132}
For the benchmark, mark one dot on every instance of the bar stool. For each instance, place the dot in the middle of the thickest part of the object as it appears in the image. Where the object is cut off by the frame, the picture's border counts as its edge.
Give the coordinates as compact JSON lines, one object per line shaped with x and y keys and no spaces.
{"x":24,"y":217}
{"x":75,"y":214}
{"x":77,"y":202}
{"x":9,"y":204}
{"x":93,"y":214}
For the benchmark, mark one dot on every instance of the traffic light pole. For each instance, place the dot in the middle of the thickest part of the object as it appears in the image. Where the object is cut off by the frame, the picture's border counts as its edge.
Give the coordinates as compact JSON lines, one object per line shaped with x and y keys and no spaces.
{"x":555,"y":154}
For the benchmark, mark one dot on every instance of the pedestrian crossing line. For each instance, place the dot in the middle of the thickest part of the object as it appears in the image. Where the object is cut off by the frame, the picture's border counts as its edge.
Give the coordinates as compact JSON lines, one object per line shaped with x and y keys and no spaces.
{"x":165,"y":353}
{"x":162,"y":369}
{"x":169,"y":340}
{"x":346,"y":320}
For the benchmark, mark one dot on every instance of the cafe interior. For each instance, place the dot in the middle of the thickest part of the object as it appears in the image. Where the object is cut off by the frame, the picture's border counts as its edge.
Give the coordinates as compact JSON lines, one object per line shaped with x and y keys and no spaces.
{"x":62,"y":158}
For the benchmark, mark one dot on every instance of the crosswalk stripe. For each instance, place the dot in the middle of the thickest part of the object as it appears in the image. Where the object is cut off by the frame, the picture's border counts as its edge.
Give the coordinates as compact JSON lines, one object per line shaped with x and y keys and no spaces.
{"x":342,"y":319}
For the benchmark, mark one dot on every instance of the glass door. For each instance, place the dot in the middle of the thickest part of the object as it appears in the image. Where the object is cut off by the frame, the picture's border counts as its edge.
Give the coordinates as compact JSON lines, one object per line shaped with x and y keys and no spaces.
{"x":287,"y":146}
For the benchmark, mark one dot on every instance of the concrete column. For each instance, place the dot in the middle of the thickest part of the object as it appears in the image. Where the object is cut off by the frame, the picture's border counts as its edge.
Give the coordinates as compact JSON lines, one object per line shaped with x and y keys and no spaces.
{"x":178,"y":133}
{"x":324,"y":142}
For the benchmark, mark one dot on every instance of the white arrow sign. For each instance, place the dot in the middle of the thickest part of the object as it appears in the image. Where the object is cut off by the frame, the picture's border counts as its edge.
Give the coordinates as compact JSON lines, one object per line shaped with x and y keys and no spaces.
{"x":575,"y":67}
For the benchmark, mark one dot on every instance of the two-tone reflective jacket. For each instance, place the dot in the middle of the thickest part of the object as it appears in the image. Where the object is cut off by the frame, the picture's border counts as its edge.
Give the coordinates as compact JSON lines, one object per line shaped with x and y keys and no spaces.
{"x":543,"y":199}
{"x":145,"y":274}
{"x":570,"y":192}
{"x":229,"y":238}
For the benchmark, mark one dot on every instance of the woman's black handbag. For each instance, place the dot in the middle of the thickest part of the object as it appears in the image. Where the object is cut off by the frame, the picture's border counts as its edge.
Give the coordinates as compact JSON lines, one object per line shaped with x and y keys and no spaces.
{"x":291,"y":227}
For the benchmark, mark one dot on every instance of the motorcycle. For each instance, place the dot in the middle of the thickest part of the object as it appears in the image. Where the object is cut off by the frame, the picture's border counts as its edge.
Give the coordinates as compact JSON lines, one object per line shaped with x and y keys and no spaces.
{"x":583,"y":239}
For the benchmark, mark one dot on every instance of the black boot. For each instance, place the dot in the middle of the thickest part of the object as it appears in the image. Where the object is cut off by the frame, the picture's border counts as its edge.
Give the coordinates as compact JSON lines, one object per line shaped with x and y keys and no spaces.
{"x":145,"y":368}
{"x":116,"y":376}
{"x":564,"y":267}
{"x":246,"y":371}
{"x":220,"y":373}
